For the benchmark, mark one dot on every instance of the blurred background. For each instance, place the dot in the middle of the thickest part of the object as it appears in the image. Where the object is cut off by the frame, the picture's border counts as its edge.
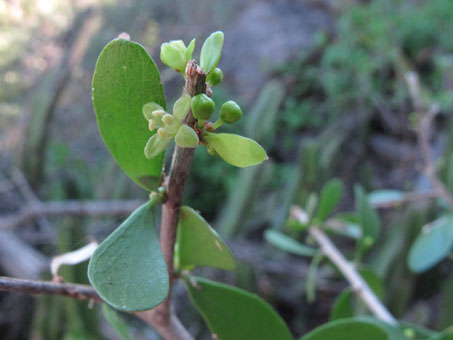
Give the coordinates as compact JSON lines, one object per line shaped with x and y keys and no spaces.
{"x":322,"y":84}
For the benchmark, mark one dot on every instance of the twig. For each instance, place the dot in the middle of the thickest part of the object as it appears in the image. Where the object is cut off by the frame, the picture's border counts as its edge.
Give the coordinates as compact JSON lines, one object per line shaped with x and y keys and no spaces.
{"x":425,"y":118}
{"x":76,"y":291}
{"x":68,"y":208}
{"x":162,"y":316}
{"x":359,"y":286}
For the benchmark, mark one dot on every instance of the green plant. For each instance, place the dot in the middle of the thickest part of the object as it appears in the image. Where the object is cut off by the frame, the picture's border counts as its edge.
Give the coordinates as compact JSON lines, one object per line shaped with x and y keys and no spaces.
{"x":129,"y":270}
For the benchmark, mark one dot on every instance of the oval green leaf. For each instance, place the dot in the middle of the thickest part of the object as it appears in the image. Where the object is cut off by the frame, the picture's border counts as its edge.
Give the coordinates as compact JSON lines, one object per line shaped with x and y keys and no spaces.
{"x":329,"y":198}
{"x":234,"y":314}
{"x":286,"y":243}
{"x":124,"y":80}
{"x":347,"y":329}
{"x":432,"y":246}
{"x":198,"y":244}
{"x":127,"y":269}
{"x":211,"y":51}
{"x":367,"y":216}
{"x":385,"y":196}
{"x":236,"y":150}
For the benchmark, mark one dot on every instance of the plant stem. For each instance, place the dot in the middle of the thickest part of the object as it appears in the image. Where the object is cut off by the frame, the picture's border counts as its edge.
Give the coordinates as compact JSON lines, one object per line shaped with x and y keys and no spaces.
{"x":162,"y":317}
{"x":77,"y":291}
{"x":358,"y":284}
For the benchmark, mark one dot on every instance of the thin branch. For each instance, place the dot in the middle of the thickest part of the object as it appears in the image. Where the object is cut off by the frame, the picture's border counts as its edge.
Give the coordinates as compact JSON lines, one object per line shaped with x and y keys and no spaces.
{"x":76,"y":291}
{"x":162,"y":317}
{"x":359,"y":286}
{"x":425,"y":118}
{"x":68,"y":208}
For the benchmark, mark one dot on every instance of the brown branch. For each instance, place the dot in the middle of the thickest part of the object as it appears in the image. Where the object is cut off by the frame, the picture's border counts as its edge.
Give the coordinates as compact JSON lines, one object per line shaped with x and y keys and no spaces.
{"x":358,"y":284}
{"x":76,"y":291}
{"x":162,"y":317}
{"x":68,"y":208}
{"x":425,"y":118}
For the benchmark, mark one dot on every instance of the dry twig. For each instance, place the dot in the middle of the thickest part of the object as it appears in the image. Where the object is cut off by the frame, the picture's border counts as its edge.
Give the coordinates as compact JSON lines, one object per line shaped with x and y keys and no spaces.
{"x":359,"y":286}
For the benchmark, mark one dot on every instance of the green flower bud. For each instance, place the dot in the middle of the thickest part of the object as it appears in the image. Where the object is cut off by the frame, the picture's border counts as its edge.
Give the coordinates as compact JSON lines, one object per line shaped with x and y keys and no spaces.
{"x":215,"y":77}
{"x":168,"y":119}
{"x":158,"y":113}
{"x":186,"y":137}
{"x":176,"y":55}
{"x":230,"y":112}
{"x":182,"y":107}
{"x":202,"y":106}
{"x":148,"y":109}
{"x":162,"y":133}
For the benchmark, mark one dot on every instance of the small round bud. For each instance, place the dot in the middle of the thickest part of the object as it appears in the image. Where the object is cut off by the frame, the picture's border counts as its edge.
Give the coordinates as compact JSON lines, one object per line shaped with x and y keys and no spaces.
{"x":202,"y":106}
{"x":230,"y":112}
{"x":168,"y":119}
{"x":148,"y":109}
{"x":215,"y":77}
{"x":186,"y":137}
{"x":158,"y":113}
{"x":162,"y":133}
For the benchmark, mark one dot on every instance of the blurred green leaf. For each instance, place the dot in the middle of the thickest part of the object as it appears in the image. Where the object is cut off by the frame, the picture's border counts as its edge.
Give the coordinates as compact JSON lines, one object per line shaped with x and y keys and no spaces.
{"x":310,"y":284}
{"x":211,"y":51}
{"x":124,"y":80}
{"x":234,"y":314}
{"x":385,"y":196}
{"x":198,"y":244}
{"x":329,"y":198}
{"x":432,"y":246}
{"x":127,"y":269}
{"x":288,"y":244}
{"x":367,"y":216}
{"x":346,"y":303}
{"x":347,"y":329}
{"x":118,"y":325}
{"x":236,"y":150}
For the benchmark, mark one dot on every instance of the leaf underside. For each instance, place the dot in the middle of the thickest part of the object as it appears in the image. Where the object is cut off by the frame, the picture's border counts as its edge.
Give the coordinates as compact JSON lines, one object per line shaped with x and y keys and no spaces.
{"x":128,"y":270}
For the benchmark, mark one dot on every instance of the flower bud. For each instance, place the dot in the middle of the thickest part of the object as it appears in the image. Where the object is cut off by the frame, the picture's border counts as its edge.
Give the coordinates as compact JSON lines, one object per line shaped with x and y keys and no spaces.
{"x":186,"y":137}
{"x":162,"y":133}
{"x":202,"y":106}
{"x":158,"y":113}
{"x":230,"y":112}
{"x":215,"y":77}
{"x":175,"y":54}
{"x":151,"y":125}
{"x":148,"y":109}
{"x":168,"y":119}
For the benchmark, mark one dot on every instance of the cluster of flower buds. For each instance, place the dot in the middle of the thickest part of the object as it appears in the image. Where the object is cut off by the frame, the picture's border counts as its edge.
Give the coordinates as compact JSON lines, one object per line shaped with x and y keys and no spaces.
{"x":169,"y":126}
{"x":176,"y":55}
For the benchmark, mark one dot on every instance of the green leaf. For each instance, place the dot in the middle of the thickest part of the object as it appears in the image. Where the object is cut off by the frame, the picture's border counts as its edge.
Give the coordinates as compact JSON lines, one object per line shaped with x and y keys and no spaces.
{"x":346,"y":303}
{"x":343,"y":307}
{"x":124,"y":80}
{"x":385,"y":196}
{"x":286,"y":243}
{"x":198,"y":244}
{"x":329,"y":198}
{"x":347,"y":329}
{"x":211,"y":50}
{"x":236,"y":150}
{"x":367,"y":216}
{"x":120,"y":327}
{"x":310,"y":284}
{"x":234,"y":314}
{"x":127,"y":269}
{"x":432,"y":246}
